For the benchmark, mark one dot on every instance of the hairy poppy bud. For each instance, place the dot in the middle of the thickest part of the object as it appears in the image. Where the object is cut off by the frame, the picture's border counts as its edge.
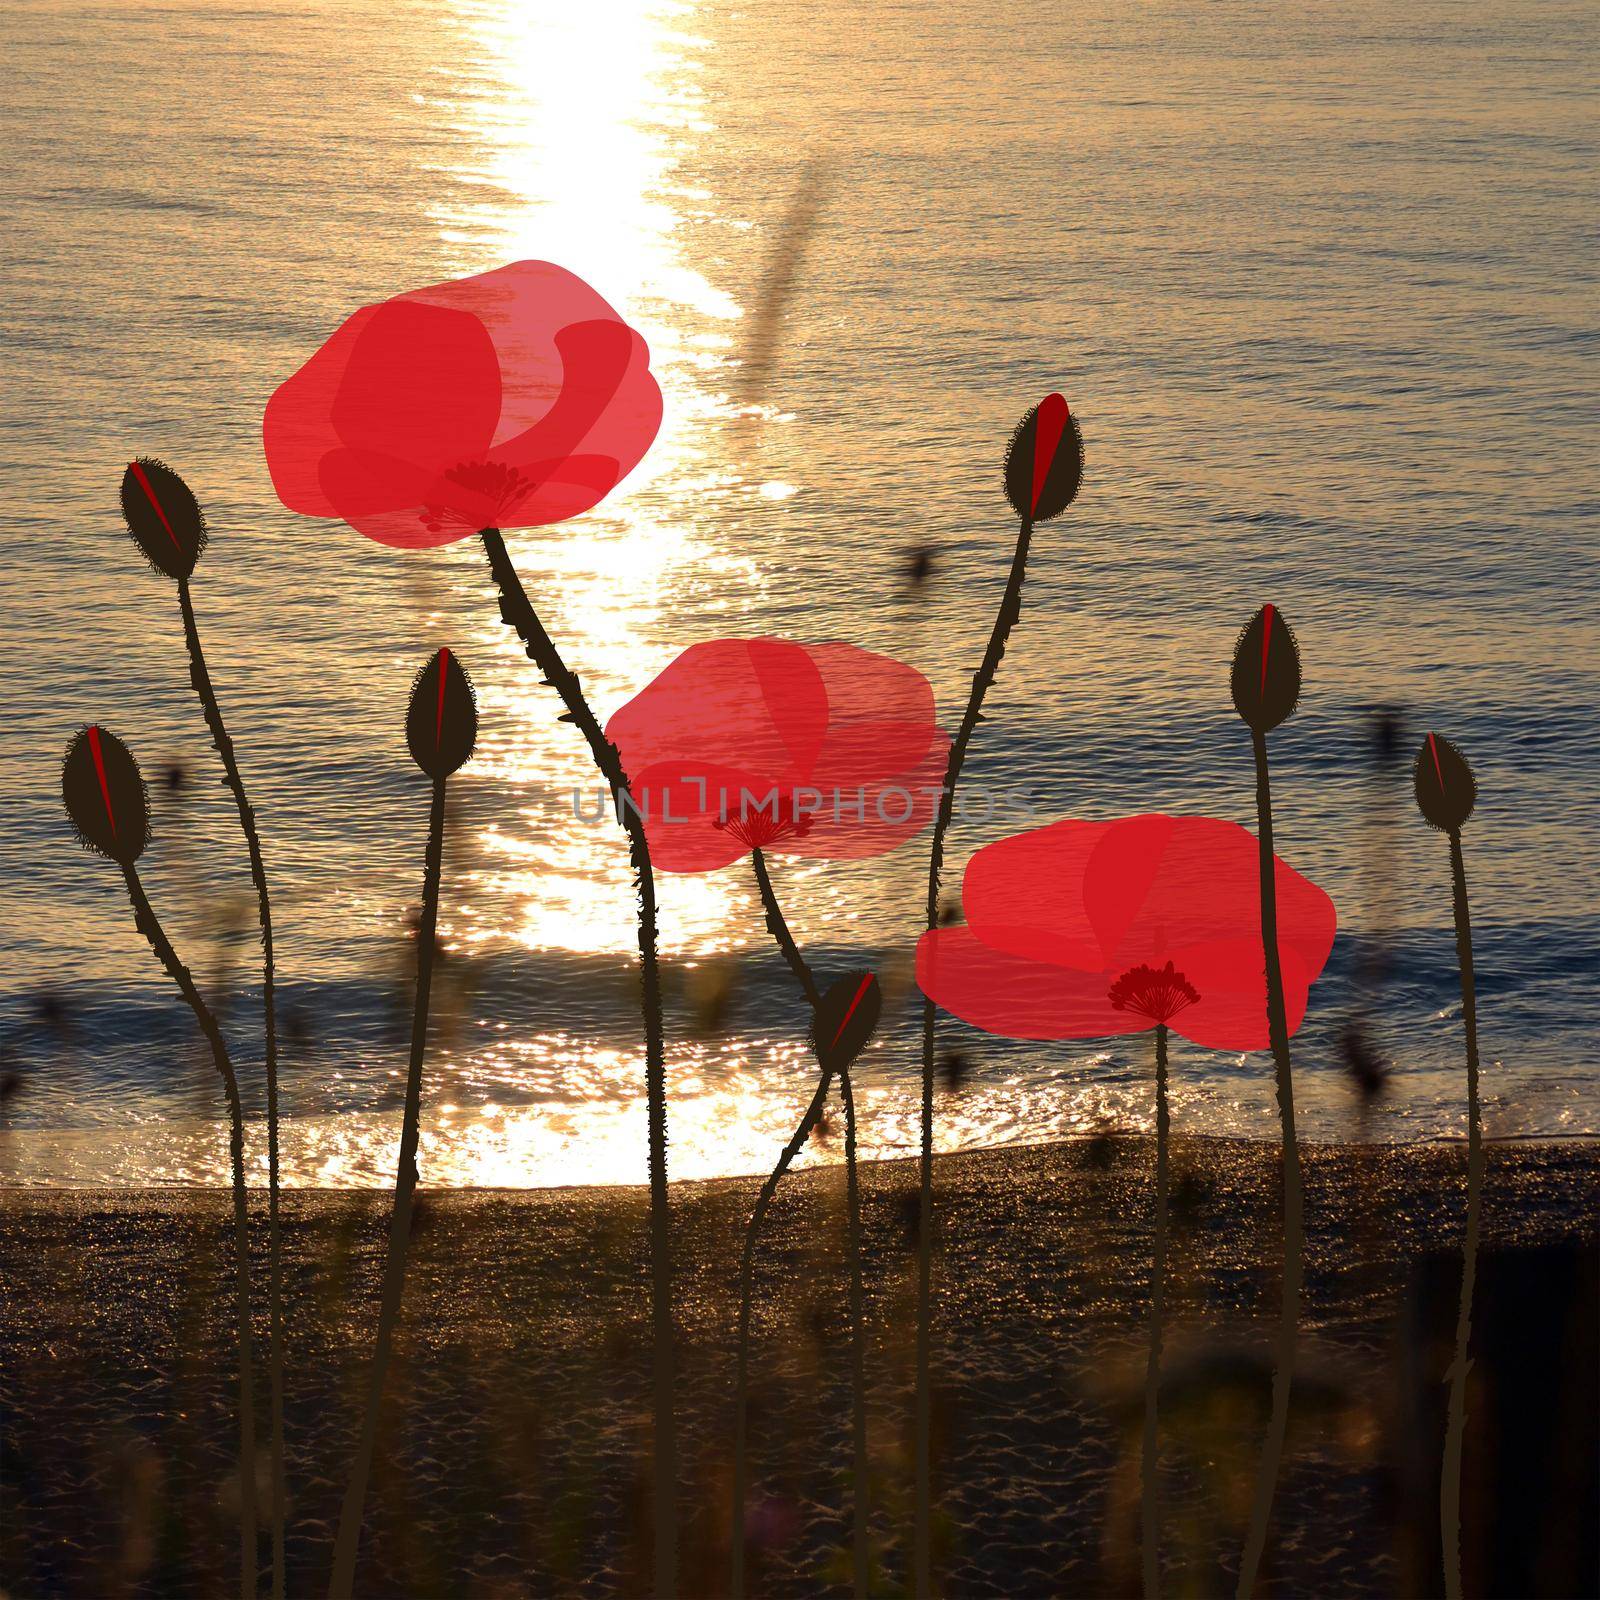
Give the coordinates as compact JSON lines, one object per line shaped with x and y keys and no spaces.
{"x":1446,"y":790}
{"x":103,"y":792}
{"x":1044,"y":465}
{"x":163,"y":516}
{"x":1266,"y":671}
{"x":442,"y":723}
{"x":845,"y":1019}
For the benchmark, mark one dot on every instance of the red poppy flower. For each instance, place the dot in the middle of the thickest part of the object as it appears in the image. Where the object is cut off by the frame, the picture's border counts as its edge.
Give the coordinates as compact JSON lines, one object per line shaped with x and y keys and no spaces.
{"x":507,"y":400}
{"x":1086,"y":929}
{"x":812,"y":750}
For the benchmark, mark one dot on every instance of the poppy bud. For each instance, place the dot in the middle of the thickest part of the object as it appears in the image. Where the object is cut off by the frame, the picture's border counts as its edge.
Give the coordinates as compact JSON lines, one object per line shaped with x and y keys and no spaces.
{"x":103,"y":792}
{"x":845,"y":1018}
{"x":1266,"y":671}
{"x":163,"y":516}
{"x":1446,"y":791}
{"x":442,"y":723}
{"x":1044,"y":465}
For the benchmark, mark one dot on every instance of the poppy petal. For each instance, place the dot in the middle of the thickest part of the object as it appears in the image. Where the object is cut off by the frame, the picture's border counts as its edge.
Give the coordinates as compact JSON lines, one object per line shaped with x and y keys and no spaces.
{"x":358,"y":483}
{"x":422,"y":384}
{"x":683,"y":804}
{"x":1019,"y":999}
{"x":297,"y":429}
{"x":520,"y":395}
{"x":752,"y":705}
{"x":881,"y":716}
{"x":806,"y":721}
{"x":869,"y":816}
{"x":390,"y":501}
{"x":548,"y":491}
{"x":1158,"y":884}
{"x":1025,"y":895}
{"x":1231,"y":1013}
{"x":1118,"y":885}
{"x":597,"y":360}
{"x":526,"y":307}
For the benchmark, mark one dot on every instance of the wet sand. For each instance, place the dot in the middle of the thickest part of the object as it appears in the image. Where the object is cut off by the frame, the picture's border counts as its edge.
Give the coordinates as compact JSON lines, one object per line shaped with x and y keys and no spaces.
{"x":514,"y":1457}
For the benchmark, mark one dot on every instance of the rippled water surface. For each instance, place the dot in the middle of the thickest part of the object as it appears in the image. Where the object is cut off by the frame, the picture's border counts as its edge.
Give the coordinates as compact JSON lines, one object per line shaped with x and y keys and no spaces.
{"x":1318,"y":289}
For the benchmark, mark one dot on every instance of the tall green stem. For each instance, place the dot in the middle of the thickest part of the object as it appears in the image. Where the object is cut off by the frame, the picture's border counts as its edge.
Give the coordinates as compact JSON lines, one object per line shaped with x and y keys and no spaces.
{"x":518,"y":613}
{"x":348,"y":1540}
{"x":146,"y":921}
{"x":1455,"y":1428}
{"x":1005,"y":620}
{"x":1150,"y":1459}
{"x":1293,"y":1203}
{"x":200,"y":678}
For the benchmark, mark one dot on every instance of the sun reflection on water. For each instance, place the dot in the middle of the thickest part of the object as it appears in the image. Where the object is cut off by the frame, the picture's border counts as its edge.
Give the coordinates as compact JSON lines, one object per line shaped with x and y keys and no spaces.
{"x":571,"y":125}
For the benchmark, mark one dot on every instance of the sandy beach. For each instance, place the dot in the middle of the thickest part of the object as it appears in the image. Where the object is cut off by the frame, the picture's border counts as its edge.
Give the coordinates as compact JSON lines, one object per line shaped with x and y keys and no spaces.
{"x":513,"y":1460}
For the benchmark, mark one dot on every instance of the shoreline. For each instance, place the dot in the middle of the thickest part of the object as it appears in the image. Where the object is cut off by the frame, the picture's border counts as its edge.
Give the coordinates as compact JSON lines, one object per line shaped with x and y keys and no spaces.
{"x":830,"y":1163}
{"x":518,"y":1430}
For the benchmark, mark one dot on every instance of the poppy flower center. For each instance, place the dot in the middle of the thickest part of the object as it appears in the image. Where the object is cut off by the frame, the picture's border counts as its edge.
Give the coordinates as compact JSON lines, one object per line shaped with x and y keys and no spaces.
{"x":1159,"y":993}
{"x":498,"y":488}
{"x":764,"y":822}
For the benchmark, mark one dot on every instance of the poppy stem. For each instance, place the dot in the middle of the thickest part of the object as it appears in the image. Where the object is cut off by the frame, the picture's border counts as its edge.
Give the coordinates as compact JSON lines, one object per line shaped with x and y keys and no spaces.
{"x":405,"y":1187}
{"x":200,"y":678}
{"x":741,"y":1385}
{"x":858,"y":1347}
{"x":1005,"y":620}
{"x":1293,"y":1202}
{"x":778,"y":926}
{"x":516,"y":610}
{"x":1150,"y":1461}
{"x":146,"y":921}
{"x":1455,"y":1428}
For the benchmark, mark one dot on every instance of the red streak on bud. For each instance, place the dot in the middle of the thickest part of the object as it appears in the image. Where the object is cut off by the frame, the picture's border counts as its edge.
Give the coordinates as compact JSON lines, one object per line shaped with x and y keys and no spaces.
{"x":1266,"y":642}
{"x":438,"y":721}
{"x":866,"y":983}
{"x":100,"y":773}
{"x":150,"y":495}
{"x":1433,"y":750}
{"x":1049,"y":423}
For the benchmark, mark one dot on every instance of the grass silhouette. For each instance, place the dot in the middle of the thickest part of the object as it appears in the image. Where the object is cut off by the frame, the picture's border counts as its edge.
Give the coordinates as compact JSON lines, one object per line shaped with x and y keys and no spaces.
{"x":1446,"y":795}
{"x":166,"y":522}
{"x":441,"y":729}
{"x":843,"y":1018}
{"x":1044,"y":468}
{"x":518,"y":613}
{"x":1266,"y":689}
{"x":105,"y":798}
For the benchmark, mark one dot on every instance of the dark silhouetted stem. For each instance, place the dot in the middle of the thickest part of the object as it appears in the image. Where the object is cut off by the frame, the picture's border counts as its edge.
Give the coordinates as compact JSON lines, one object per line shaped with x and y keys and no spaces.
{"x":1005,"y":620}
{"x":1455,"y":1427}
{"x":858,"y":1343}
{"x":779,"y":928}
{"x":145,"y":920}
{"x":405,"y":1188}
{"x":518,"y":613}
{"x":1150,"y":1460}
{"x":1293,"y":1204}
{"x":200,"y":677}
{"x":741,"y":1385}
